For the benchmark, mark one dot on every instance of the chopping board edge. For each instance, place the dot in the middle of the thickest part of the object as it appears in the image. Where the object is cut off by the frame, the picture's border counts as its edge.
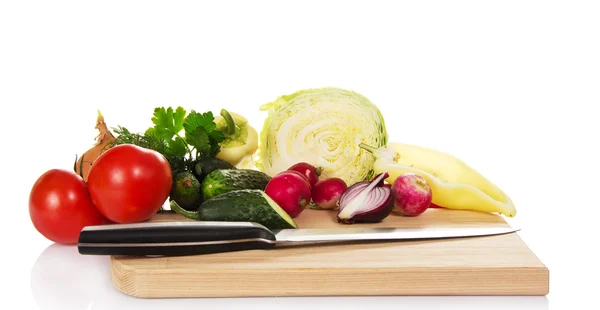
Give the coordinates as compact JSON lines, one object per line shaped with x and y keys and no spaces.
{"x":523,"y":274}
{"x":443,"y":281}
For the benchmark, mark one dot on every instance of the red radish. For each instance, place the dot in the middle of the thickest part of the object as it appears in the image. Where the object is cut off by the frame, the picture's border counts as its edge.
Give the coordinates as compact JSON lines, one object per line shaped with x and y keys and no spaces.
{"x":298,"y":173}
{"x":291,"y":191}
{"x":326,"y":193}
{"x":312,"y":174}
{"x":412,"y":194}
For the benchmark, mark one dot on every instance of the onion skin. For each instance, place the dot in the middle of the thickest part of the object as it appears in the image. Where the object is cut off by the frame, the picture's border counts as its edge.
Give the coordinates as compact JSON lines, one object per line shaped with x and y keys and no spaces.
{"x":374,"y":216}
{"x":104,"y":141}
{"x":366,"y":213}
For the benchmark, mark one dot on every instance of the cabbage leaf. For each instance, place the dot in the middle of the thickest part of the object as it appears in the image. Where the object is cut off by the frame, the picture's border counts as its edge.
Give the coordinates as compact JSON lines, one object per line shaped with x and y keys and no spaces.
{"x":323,"y":127}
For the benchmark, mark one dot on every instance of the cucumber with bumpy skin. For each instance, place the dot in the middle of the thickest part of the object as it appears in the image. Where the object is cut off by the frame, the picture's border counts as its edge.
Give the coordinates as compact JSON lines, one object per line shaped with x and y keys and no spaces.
{"x":203,"y":167}
{"x":186,"y":190}
{"x":222,"y":181}
{"x":249,"y":205}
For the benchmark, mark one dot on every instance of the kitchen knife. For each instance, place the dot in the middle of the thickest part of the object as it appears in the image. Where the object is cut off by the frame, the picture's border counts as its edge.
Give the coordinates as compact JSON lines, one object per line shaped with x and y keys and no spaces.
{"x":193,"y":238}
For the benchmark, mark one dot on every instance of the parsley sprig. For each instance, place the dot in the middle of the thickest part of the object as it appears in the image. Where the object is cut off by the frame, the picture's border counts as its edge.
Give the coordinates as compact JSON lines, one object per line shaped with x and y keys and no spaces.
{"x":180,"y":136}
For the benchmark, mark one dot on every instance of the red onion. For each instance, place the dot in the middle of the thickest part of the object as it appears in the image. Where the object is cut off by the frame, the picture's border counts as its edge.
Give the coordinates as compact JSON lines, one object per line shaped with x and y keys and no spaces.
{"x":366,"y":202}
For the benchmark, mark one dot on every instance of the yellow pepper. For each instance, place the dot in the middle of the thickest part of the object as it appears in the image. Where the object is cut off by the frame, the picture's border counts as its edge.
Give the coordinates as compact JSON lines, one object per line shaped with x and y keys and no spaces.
{"x":241,"y":139}
{"x":454,"y":184}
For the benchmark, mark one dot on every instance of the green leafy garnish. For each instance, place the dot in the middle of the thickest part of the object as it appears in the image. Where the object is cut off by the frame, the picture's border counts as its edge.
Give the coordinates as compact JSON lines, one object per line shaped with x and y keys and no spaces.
{"x":168,"y":123}
{"x":201,"y":133}
{"x":181,"y":137}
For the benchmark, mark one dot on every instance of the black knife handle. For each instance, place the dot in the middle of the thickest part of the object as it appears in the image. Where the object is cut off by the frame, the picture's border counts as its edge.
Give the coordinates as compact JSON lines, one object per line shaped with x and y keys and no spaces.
{"x":173,"y":238}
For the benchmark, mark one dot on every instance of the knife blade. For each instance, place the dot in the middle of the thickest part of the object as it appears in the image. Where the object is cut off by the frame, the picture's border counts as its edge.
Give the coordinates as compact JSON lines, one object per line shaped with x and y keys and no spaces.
{"x":194,"y":238}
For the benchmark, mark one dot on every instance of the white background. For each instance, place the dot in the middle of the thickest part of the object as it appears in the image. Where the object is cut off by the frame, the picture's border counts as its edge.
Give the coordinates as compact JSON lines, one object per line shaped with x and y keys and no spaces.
{"x":510,"y":87}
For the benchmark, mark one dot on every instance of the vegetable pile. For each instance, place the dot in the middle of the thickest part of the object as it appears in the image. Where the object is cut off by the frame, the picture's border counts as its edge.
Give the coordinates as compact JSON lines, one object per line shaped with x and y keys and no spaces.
{"x":326,"y":149}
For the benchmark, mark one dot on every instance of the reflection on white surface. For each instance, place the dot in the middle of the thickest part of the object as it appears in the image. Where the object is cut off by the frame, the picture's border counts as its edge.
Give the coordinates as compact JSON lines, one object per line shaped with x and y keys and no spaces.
{"x":61,"y":278}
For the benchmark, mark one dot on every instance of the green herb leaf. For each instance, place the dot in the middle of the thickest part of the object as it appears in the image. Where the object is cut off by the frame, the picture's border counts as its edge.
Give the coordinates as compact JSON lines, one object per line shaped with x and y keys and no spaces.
{"x":201,"y":137}
{"x":176,"y":147}
{"x":202,"y":134}
{"x":215,"y":138}
{"x":199,"y":140}
{"x":168,"y":123}
{"x":147,"y":140}
{"x":195,"y":120}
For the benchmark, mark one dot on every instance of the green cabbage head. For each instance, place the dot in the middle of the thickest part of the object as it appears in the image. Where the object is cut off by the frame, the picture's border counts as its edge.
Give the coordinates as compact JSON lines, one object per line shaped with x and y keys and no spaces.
{"x":322,"y":127}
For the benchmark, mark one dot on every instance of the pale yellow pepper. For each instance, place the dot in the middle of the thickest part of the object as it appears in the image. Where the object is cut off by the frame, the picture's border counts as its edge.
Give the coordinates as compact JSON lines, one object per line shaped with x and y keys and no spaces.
{"x":241,"y":139}
{"x":454,"y":184}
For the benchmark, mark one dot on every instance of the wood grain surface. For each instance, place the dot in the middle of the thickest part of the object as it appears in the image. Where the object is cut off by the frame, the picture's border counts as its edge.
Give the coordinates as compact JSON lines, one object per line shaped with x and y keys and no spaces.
{"x":490,"y":265}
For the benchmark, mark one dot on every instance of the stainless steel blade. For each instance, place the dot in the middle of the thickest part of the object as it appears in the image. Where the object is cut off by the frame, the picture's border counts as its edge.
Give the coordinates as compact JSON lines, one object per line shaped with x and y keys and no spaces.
{"x":289,"y":236}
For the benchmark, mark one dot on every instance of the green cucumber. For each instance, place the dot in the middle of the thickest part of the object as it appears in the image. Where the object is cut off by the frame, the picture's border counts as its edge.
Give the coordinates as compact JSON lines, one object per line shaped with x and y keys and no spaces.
{"x":222,"y":181}
{"x":204,"y":166}
{"x":248,"y":205}
{"x":186,"y":190}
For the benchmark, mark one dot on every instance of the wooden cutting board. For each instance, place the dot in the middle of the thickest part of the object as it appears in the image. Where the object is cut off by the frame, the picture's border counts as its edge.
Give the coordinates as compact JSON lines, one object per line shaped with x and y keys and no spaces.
{"x":490,"y":265}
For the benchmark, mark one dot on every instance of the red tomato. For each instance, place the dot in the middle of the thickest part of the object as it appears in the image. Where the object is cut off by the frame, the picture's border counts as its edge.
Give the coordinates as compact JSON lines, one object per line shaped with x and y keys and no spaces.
{"x":129,"y":183}
{"x":60,"y":206}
